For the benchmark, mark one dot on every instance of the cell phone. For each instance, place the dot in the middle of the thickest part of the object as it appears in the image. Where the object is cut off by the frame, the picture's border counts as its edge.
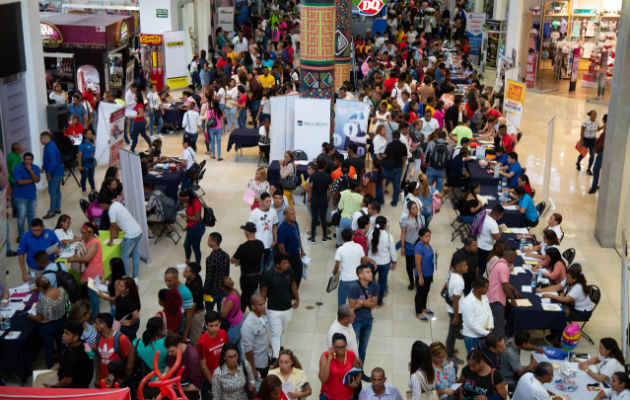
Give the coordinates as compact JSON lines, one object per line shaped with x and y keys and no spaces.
{"x":592,"y":386}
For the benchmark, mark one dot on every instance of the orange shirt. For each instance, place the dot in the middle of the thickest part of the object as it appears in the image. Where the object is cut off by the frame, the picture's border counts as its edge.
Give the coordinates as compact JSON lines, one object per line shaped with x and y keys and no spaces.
{"x":336,"y":174}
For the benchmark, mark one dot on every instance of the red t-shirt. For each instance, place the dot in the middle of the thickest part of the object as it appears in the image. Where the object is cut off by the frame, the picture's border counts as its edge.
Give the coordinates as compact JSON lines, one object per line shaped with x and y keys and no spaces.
{"x":210,"y":349}
{"x":507,"y":142}
{"x":190,"y":211}
{"x":221,"y":63}
{"x":137,"y":107}
{"x":389,"y":84}
{"x":105,"y":348}
{"x":360,"y":238}
{"x":73,"y":130}
{"x":242,"y":101}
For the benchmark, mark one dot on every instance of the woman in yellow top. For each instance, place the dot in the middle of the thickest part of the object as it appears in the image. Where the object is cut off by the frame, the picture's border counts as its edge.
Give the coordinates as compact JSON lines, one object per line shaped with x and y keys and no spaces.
{"x":294,"y":380}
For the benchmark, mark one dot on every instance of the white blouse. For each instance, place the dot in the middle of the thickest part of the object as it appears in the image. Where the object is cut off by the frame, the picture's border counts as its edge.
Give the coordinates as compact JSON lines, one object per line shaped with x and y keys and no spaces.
{"x":63,"y":234}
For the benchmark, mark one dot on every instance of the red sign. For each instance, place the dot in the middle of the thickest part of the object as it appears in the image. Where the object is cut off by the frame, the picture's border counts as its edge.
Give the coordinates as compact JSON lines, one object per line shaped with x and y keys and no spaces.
{"x":530,"y":70}
{"x":370,"y":7}
{"x":116,"y":115}
{"x":51,"y":35}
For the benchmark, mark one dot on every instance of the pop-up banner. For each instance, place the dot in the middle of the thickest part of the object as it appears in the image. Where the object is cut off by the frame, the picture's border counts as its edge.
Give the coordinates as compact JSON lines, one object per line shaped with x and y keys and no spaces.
{"x":351,"y":125}
{"x":109,"y":133}
{"x":514,"y":101}
{"x":312,"y":125}
{"x":282,"y":130}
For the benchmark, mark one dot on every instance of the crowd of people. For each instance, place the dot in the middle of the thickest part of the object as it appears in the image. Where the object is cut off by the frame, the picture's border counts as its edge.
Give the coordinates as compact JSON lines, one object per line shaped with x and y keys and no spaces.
{"x":231,"y":339}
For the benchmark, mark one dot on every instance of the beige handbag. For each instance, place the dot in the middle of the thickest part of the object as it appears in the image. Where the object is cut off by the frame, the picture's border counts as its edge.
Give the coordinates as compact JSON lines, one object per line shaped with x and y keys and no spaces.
{"x":426,"y":393}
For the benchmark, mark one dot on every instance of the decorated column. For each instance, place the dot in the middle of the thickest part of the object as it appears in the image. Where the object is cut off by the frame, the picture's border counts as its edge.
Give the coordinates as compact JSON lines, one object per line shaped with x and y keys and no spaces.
{"x":343,"y":41}
{"x":317,"y":48}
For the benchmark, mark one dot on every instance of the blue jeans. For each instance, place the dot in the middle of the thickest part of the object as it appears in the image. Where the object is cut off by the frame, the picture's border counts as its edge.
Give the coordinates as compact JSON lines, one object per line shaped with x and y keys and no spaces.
{"x":54,"y":191}
{"x":344,"y":223}
{"x":139,"y":129}
{"x":193,"y":240}
{"x":393,"y":175}
{"x":230,"y":117}
{"x":186,"y":182}
{"x":253,"y":108}
{"x":8,"y":242}
{"x":467,"y":219}
{"x":206,"y":390}
{"x":215,"y":140}
{"x":382,"y":271}
{"x":130,"y":331}
{"x":128,"y":128}
{"x":87,"y":174}
{"x":596,"y":168}
{"x":25,"y":208}
{"x":426,"y":213}
{"x":267,"y":260}
{"x":437,"y":176}
{"x":129,"y":248}
{"x":363,"y":329}
{"x":471,"y":342}
{"x":342,"y":292}
{"x":50,"y":333}
{"x":242,"y":118}
{"x":95,"y":302}
{"x":234,"y":334}
{"x":160,"y":122}
{"x":217,"y":299}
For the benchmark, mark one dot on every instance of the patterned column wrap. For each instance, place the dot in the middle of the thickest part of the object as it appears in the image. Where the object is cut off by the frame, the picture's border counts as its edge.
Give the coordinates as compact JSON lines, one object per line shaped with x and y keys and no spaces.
{"x":317,"y":48}
{"x":343,"y":41}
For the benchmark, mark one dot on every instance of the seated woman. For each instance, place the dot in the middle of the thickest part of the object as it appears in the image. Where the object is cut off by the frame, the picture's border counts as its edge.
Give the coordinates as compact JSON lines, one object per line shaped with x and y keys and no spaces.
{"x":610,"y":360}
{"x":554,"y":225}
{"x":619,"y":388}
{"x":574,"y":294}
{"x":75,"y":128}
{"x":63,"y":231}
{"x":479,"y":380}
{"x":552,"y":267}
{"x":550,"y":240}
{"x":470,"y":205}
{"x":526,"y":207}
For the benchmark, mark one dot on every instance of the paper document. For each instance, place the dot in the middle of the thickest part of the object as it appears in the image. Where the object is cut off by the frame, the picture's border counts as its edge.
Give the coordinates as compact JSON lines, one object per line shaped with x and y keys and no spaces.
{"x":520,"y":231}
{"x":92,"y":285}
{"x":117,"y":241}
{"x":12,"y":335}
{"x":42,"y":376}
{"x":518,"y":270}
{"x":249,"y":196}
{"x":539,"y":357}
{"x":511,"y":207}
{"x":23,"y":288}
{"x":545,"y":300}
{"x":523,"y":303}
{"x":508,"y":230}
{"x":455,"y":386}
{"x":33,"y":309}
{"x":526,"y":289}
{"x":551,"y":307}
{"x":530,"y":262}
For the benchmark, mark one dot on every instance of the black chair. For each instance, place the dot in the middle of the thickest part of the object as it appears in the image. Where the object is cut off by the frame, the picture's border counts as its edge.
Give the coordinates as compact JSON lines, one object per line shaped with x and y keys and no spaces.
{"x":569,"y":256}
{"x":93,"y":195}
{"x":196,"y":180}
{"x":533,"y":193}
{"x":540,"y":207}
{"x":163,"y":227}
{"x":84,"y":204}
{"x":300,"y":155}
{"x":596,"y":295}
{"x":202,"y":164}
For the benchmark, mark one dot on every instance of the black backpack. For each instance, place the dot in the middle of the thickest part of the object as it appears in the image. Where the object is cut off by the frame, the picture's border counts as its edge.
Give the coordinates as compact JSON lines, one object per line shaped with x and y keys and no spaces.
{"x":439,"y":156}
{"x":444,"y":292}
{"x":67,"y":281}
{"x":208,"y":216}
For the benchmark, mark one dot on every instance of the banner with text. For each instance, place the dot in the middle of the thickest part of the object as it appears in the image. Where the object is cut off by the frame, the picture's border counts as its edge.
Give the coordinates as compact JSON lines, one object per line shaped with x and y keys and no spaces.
{"x":475,"y":30}
{"x":514,"y":102}
{"x":109,"y":133}
{"x":282,"y":130}
{"x":351,"y":125}
{"x":312,"y":125}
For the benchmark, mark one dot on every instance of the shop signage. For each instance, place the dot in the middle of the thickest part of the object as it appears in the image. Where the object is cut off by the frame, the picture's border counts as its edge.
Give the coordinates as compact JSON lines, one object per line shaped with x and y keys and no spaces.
{"x":123,"y":31}
{"x":226,"y":18}
{"x":161,"y":12}
{"x":530,"y":69}
{"x":150,"y":39}
{"x":474,"y":31}
{"x":514,"y":101}
{"x":175,"y":44}
{"x":369,"y":8}
{"x":51,"y":35}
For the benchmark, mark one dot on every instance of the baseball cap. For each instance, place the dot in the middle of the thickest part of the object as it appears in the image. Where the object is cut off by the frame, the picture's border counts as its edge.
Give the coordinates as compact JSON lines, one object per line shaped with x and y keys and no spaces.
{"x":249,"y":227}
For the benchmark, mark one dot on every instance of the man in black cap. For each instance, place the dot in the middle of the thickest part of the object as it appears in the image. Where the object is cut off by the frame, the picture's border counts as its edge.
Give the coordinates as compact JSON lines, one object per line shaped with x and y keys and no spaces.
{"x":249,"y":256}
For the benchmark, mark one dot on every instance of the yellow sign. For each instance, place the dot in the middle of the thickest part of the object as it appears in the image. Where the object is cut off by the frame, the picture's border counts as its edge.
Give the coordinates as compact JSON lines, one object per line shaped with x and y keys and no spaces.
{"x":515,"y":91}
{"x":174,"y":44}
{"x":150,"y":39}
{"x":177,"y":83}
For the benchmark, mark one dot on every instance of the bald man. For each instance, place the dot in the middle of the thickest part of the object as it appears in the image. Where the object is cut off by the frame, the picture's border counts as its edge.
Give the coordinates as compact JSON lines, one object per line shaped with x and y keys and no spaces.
{"x":255,"y":337}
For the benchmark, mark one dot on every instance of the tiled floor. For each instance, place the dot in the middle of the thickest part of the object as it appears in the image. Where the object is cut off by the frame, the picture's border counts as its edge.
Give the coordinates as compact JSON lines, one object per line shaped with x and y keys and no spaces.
{"x":395,"y":326}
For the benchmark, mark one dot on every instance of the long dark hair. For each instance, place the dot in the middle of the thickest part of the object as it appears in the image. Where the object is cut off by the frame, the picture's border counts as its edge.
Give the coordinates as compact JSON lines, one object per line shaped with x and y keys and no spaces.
{"x":153,"y":331}
{"x":554,"y":257}
{"x":133,"y":290}
{"x":551,"y":237}
{"x":62,"y":218}
{"x":268,"y":386}
{"x":217,"y":110}
{"x":421,"y":360}
{"x":172,"y":300}
{"x":624,"y":378}
{"x":117,"y":268}
{"x":380,"y":223}
{"x":579,"y":278}
{"x":611,"y":345}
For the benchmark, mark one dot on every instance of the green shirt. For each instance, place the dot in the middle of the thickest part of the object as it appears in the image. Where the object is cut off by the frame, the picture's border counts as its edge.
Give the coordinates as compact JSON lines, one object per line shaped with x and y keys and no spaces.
{"x":13,"y":159}
{"x":462,"y":131}
{"x":349,"y":203}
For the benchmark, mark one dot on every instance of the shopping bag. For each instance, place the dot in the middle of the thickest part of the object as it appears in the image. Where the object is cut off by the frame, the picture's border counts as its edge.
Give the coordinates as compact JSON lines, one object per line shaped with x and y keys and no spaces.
{"x":583,"y":150}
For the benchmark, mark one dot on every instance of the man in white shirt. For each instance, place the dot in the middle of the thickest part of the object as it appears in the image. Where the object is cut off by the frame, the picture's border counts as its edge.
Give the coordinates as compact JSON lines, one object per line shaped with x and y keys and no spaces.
{"x":456,"y":295}
{"x":266,"y":220}
{"x":428,"y":125}
{"x":476,"y":314}
{"x":191,"y":122}
{"x":361,"y":212}
{"x":130,"y":103}
{"x":122,"y":220}
{"x":255,"y":336}
{"x":240,"y":43}
{"x":530,"y":386}
{"x":348,"y":257}
{"x":379,"y":390}
{"x":489,"y":234}
{"x":343,"y":325}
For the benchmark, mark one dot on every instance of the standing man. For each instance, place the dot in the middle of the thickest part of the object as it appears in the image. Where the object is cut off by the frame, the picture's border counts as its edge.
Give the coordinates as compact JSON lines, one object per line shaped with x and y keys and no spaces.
{"x":76,"y":108}
{"x":171,"y":279}
{"x":54,"y":173}
{"x":451,"y":117}
{"x":455,"y":294}
{"x":319,"y":188}
{"x":195,"y":285}
{"x":363,"y":296}
{"x":13,"y":159}
{"x":476,"y":313}
{"x":469,"y":253}
{"x":347,"y":257}
{"x":191,"y":122}
{"x":33,"y":241}
{"x":379,"y":390}
{"x":107,"y":341}
{"x":257,"y":94}
{"x":437,"y":156}
{"x":249,"y":256}
{"x":290,"y":243}
{"x":217,"y":266}
{"x":153,"y":110}
{"x":395,"y":156}
{"x":343,"y":325}
{"x":500,"y":289}
{"x":129,"y":103}
{"x":255,"y":337}
{"x":76,"y":368}
{"x":122,"y":220}
{"x":266,"y":221}
{"x":26,"y":175}
{"x":209,"y":348}
{"x":489,"y":234}
{"x":279,"y":288}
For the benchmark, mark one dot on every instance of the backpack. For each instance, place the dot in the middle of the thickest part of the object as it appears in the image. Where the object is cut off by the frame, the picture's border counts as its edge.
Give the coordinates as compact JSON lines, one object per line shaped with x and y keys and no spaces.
{"x":208,"y":215}
{"x":286,"y":57}
{"x":477,"y":224}
{"x":116,"y":344}
{"x":444,"y":292}
{"x":67,"y":281}
{"x":439,"y":156}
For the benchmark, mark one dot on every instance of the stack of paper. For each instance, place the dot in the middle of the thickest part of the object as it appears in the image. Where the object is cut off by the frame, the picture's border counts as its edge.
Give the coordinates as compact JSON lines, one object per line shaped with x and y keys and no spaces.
{"x":523,"y":303}
{"x":551,"y":307}
{"x":518,"y":270}
{"x":521,"y":231}
{"x":526,"y":289}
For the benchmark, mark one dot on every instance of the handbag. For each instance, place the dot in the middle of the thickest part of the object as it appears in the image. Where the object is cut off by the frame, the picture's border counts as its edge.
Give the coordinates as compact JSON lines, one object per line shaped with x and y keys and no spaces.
{"x":583,"y":150}
{"x":333,"y":282}
{"x":212,"y":121}
{"x":426,"y":393}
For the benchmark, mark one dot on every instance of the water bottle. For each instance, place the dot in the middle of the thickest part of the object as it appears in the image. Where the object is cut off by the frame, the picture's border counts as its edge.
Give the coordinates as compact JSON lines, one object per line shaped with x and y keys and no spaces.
{"x":499,"y":189}
{"x":522,"y":246}
{"x":533,"y":283}
{"x":539,"y":277}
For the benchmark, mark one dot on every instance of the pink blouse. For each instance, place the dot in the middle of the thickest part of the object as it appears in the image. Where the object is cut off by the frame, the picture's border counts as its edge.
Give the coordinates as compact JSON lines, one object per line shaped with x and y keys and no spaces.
{"x":95,"y":266}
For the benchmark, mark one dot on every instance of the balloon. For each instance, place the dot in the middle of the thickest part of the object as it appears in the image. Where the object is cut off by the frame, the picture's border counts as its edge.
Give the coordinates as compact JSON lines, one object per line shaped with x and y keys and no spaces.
{"x":570,"y":336}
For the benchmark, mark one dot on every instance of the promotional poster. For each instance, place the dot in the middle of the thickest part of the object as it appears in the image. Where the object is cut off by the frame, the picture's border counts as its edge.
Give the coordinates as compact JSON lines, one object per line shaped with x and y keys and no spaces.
{"x":351,"y":125}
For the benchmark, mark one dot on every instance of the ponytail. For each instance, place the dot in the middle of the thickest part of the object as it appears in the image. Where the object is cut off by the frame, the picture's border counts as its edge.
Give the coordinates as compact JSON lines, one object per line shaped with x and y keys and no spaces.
{"x":380,"y":224}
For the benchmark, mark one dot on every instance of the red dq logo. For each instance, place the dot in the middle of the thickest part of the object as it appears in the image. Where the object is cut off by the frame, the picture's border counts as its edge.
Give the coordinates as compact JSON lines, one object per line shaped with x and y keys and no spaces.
{"x":370,"y":7}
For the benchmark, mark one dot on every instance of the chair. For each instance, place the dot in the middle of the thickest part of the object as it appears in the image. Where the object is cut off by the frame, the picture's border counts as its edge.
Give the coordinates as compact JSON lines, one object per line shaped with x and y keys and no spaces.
{"x":84,"y":204}
{"x":569,"y":256}
{"x":92,"y":196}
{"x":540,"y":207}
{"x":533,"y":193}
{"x":300,"y":155}
{"x":196,"y":180}
{"x":596,"y":295}
{"x":164,"y":225}
{"x":202,"y":164}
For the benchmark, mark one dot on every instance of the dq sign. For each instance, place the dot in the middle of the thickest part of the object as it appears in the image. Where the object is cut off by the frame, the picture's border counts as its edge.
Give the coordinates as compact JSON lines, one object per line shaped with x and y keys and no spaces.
{"x":370,"y":7}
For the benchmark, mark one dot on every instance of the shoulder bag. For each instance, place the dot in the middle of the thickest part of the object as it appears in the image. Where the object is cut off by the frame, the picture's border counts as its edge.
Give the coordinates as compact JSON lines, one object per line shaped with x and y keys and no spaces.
{"x":426,"y":393}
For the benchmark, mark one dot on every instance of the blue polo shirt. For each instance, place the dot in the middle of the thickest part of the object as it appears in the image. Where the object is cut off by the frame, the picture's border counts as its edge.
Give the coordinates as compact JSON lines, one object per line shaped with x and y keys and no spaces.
{"x":516,"y":168}
{"x":25,"y":191}
{"x":87,"y":153}
{"x":502,"y":160}
{"x":30,"y":244}
{"x":527,"y":203}
{"x":52,"y":160}
{"x":289,"y":236}
{"x":77,"y":110}
{"x":426,"y":265}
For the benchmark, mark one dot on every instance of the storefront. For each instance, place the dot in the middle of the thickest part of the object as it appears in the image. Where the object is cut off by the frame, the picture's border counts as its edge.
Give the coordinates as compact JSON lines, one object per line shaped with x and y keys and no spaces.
{"x":570,"y":46}
{"x":86,"y":51}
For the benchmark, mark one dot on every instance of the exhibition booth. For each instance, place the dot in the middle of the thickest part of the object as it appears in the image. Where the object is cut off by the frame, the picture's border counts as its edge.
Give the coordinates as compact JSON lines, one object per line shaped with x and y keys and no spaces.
{"x":87,"y":51}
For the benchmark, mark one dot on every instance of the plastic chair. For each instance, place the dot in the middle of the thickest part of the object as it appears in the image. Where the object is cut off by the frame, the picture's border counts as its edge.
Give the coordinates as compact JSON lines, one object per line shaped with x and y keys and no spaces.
{"x":196,"y":180}
{"x":93,"y":195}
{"x":596,"y":295}
{"x":300,"y":155}
{"x":84,"y":204}
{"x":540,"y":207}
{"x":569,"y":256}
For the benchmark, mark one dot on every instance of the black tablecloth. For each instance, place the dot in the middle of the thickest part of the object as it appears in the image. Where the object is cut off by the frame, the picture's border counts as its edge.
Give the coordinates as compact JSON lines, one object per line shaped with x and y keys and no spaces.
{"x":477,"y":174}
{"x":242,"y":137}
{"x":534,"y":317}
{"x":173,"y":116}
{"x":18,"y":354}
{"x":168,"y":182}
{"x":511,"y":218}
{"x":273,"y":172}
